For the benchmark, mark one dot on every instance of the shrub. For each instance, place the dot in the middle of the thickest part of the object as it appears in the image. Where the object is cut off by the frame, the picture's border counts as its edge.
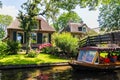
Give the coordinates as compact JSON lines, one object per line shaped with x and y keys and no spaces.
{"x":13,"y":47}
{"x":66,"y":42}
{"x":3,"y":47}
{"x":51,"y":50}
{"x":46,"y":47}
{"x":46,"y":50}
{"x":31,"y":54}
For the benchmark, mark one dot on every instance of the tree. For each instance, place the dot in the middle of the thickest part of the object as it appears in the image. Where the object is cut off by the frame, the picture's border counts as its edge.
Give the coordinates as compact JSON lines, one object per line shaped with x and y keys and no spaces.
{"x":46,"y":9}
{"x":109,"y":17}
{"x":67,"y":4}
{"x":5,"y":20}
{"x":2,"y":31}
{"x":91,"y":4}
{"x":27,"y":19}
{"x":0,"y":4}
{"x":49,"y":9}
{"x":64,"y":18}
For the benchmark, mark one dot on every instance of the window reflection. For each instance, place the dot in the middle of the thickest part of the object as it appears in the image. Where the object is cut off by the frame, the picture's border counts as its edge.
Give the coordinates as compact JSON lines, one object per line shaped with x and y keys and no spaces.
{"x":45,"y":38}
{"x":20,"y":37}
{"x":84,"y":29}
{"x":34,"y":38}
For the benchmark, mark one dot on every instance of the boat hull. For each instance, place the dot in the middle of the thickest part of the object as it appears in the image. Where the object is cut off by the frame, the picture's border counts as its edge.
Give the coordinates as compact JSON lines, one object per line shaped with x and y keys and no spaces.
{"x":93,"y":67}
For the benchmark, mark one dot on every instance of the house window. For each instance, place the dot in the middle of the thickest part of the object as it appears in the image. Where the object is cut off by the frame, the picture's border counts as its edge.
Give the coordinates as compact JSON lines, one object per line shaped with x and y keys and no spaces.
{"x":79,"y":28}
{"x":45,"y":38}
{"x":20,"y":37}
{"x":84,"y":29}
{"x":34,"y":38}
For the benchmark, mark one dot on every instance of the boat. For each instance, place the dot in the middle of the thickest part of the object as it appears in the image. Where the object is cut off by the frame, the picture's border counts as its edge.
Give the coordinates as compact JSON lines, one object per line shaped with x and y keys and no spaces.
{"x":92,"y":58}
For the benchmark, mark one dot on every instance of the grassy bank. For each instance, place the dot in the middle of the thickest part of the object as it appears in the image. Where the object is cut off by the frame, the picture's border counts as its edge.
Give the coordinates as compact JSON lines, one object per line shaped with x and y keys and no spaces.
{"x":22,"y":59}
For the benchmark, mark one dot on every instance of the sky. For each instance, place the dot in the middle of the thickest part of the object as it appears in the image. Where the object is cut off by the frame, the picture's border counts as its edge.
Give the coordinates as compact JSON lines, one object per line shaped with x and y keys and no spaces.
{"x":11,"y":7}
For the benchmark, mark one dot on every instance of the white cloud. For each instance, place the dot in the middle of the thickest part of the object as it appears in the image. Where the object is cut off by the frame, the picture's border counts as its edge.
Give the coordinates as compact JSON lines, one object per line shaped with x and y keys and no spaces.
{"x":9,"y":10}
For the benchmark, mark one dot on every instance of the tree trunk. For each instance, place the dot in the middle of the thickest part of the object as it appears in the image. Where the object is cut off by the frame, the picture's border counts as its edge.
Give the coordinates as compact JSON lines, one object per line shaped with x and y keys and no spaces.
{"x":28,"y":42}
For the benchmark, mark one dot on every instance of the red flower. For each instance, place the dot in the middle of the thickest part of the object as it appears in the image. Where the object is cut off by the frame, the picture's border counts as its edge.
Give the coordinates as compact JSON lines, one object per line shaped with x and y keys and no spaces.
{"x":107,"y":60}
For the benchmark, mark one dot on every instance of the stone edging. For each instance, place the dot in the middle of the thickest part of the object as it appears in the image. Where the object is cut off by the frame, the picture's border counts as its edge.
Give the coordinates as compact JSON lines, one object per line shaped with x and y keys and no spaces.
{"x":33,"y":65}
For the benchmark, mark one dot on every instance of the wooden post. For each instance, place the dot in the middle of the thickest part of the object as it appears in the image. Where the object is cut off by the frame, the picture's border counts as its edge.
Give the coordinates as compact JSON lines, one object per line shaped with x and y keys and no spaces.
{"x":98,"y":56}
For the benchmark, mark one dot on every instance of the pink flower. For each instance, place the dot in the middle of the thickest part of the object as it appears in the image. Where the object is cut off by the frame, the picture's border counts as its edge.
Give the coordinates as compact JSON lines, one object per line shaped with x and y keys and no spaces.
{"x":44,"y":45}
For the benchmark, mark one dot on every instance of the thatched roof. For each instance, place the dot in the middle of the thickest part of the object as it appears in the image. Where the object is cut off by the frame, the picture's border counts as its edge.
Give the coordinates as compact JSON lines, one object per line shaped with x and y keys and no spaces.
{"x":44,"y":25}
{"x":73,"y":28}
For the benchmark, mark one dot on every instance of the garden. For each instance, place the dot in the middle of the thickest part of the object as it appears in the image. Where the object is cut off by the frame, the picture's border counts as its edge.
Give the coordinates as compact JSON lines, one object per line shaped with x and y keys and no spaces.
{"x":61,"y":49}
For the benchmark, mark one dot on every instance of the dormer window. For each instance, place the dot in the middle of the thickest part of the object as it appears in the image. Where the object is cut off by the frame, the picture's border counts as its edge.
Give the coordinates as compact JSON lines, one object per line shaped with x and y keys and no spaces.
{"x":84,"y":29}
{"x":79,"y":28}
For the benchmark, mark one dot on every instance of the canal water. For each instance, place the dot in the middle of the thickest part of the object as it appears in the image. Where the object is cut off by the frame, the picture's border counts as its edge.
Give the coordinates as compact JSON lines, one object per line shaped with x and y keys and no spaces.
{"x":56,"y":73}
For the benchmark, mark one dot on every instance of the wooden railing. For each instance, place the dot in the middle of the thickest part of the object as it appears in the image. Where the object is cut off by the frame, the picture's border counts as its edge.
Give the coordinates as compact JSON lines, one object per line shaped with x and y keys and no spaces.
{"x":108,"y":38}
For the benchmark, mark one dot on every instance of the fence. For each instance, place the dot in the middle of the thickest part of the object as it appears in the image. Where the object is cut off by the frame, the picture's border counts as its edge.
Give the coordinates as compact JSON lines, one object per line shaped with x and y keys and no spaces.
{"x":112,"y":38}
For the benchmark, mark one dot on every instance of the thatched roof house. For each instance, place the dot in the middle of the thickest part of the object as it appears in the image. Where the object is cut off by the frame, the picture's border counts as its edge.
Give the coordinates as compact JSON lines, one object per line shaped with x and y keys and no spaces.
{"x":76,"y":29}
{"x":41,"y":33}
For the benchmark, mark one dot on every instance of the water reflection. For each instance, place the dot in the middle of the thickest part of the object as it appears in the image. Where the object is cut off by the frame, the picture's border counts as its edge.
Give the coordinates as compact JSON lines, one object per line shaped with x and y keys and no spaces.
{"x":56,"y":73}
{"x":96,"y":75}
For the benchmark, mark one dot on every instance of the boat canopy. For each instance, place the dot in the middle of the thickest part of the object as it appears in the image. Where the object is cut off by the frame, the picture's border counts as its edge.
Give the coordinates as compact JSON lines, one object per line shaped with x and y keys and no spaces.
{"x":101,"y":48}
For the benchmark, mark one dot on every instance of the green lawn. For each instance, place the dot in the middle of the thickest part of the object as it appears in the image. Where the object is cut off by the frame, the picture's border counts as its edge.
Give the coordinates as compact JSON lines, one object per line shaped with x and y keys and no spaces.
{"x":21,"y":59}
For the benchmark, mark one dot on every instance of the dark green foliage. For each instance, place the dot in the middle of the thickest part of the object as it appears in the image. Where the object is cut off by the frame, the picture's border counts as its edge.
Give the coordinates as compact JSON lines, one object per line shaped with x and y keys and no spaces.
{"x":109,"y":17}
{"x":12,"y":47}
{"x":9,"y":48}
